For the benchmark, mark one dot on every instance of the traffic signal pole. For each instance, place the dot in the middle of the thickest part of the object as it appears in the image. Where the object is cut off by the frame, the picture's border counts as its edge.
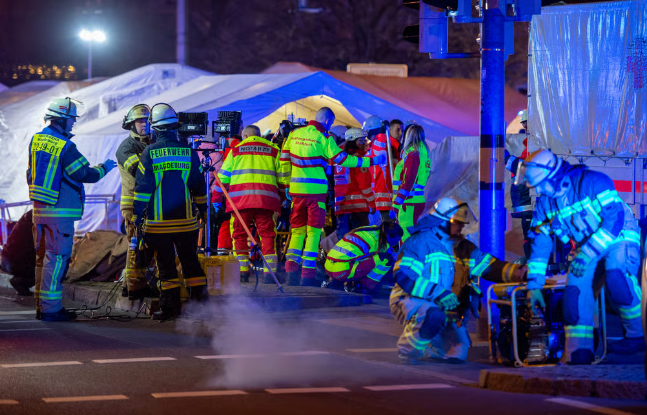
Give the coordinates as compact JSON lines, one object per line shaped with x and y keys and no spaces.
{"x":491,"y":159}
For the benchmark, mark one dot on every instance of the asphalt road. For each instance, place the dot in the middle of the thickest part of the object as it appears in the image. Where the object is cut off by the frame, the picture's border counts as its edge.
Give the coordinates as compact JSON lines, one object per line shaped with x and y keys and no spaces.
{"x":244,"y":361}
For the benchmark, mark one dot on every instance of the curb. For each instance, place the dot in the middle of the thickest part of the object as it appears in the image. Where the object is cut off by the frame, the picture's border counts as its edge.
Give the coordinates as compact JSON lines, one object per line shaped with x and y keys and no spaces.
{"x":93,"y":294}
{"x":508,"y":381}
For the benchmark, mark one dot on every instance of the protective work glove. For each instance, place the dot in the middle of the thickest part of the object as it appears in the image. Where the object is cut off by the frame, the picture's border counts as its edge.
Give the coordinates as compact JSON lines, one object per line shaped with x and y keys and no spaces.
{"x":535,"y":301}
{"x":380,"y":159}
{"x":136,"y":220}
{"x":109,"y":165}
{"x":287,"y":195}
{"x":386,"y":256}
{"x":393,"y":214}
{"x":447,"y":300}
{"x":216,"y":206}
{"x":579,"y":264}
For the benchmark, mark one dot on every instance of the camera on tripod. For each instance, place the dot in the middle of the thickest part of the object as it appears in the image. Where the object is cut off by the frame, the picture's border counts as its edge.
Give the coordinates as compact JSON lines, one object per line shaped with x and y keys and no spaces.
{"x":192,"y":124}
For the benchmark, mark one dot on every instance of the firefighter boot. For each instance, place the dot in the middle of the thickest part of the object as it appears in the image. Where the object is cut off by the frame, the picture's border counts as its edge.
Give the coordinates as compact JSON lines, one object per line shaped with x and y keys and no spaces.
{"x":627,"y":345}
{"x":308,"y":278}
{"x":244,"y":276}
{"x":141,"y":294}
{"x":60,"y":315}
{"x":170,"y":305}
{"x":294,"y":278}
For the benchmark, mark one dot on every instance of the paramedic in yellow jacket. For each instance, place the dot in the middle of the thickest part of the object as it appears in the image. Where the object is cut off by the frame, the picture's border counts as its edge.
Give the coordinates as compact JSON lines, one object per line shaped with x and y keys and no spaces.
{"x":303,"y":162}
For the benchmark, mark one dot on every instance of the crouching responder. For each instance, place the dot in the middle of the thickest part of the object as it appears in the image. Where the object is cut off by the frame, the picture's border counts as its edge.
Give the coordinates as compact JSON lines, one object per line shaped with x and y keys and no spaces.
{"x":55,"y":176}
{"x":303,"y":163}
{"x":410,"y":178}
{"x":582,"y":205}
{"x":128,"y":154}
{"x":437,"y":284}
{"x":169,"y":181}
{"x":249,"y":172}
{"x":354,"y":198}
{"x":364,"y":255}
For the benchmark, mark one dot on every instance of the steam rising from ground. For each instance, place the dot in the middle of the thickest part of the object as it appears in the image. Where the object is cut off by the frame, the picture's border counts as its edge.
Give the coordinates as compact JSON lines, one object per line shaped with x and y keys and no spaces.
{"x":240,"y":327}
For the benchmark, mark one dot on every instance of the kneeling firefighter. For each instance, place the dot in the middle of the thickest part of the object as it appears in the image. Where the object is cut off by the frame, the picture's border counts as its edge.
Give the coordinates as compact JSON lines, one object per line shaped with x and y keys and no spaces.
{"x":579,"y":204}
{"x":169,"y":181}
{"x":128,"y":155}
{"x":437,"y":284}
{"x":365,"y":254}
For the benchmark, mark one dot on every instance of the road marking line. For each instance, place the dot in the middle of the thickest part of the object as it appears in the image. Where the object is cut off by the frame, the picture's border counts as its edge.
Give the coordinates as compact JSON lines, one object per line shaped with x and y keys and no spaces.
{"x":10,"y":313}
{"x":310,"y":353}
{"x":42,"y":364}
{"x":305,"y":390}
{"x":395,"y":349}
{"x":20,"y":321}
{"x":588,"y":406}
{"x":230,"y":356}
{"x":8,"y":402}
{"x":86,"y":398}
{"x":137,"y":359}
{"x":197,"y":394}
{"x":42,"y":328}
{"x":407,"y":387}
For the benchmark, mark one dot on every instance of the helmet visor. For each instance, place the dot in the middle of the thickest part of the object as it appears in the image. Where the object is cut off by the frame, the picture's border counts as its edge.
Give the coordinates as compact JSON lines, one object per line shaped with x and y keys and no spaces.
{"x":520,"y":174}
{"x":462,"y":213}
{"x":75,"y":108}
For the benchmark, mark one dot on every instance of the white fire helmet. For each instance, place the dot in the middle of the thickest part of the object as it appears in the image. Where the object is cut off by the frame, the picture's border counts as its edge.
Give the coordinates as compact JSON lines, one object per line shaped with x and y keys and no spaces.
{"x":539,"y":166}
{"x":163,"y":116}
{"x":453,"y":210}
{"x":64,"y":108}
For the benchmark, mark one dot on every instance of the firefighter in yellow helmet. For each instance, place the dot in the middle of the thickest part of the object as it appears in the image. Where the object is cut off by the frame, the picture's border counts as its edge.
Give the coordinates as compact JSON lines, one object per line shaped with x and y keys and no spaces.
{"x":128,"y":155}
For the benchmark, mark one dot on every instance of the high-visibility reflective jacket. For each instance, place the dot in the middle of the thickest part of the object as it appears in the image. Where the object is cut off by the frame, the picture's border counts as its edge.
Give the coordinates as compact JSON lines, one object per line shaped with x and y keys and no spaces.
{"x":410,"y":177}
{"x":304,"y":159}
{"x":357,"y":255}
{"x":169,"y":180}
{"x":382,"y":186}
{"x":249,"y":171}
{"x":591,"y":213}
{"x":55,"y":176}
{"x":128,"y":155}
{"x":353,"y":192}
{"x":433,"y":263}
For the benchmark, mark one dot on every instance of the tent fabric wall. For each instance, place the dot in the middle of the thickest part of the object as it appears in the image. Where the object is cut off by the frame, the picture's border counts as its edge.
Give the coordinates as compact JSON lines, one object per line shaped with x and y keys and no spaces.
{"x":588,"y":79}
{"x":20,"y":120}
{"x":454,"y":103}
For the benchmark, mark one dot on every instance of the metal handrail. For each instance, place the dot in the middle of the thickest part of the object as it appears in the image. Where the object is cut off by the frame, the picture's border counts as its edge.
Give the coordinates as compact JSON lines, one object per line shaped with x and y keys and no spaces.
{"x":105,"y":199}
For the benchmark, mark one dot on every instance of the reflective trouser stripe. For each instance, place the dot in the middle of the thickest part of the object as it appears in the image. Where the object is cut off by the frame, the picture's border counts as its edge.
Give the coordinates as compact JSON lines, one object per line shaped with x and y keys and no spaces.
{"x":169,"y":284}
{"x":195,"y":281}
{"x":311,"y":248}
{"x":53,"y":251}
{"x":297,"y":240}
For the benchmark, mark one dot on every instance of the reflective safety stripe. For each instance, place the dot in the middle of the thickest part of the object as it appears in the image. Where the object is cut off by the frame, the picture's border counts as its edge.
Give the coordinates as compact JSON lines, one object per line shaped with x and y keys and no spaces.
{"x":585,"y":332}
{"x":130,"y":161}
{"x":482,"y":266}
{"x":142,"y":197}
{"x":630,"y":236}
{"x":52,"y":212}
{"x":344,"y":251}
{"x":421,"y":288}
{"x":254,"y":192}
{"x":308,"y":180}
{"x":254,"y":171}
{"x":76,"y":165}
{"x":224,"y":173}
{"x":414,"y":265}
{"x":538,"y":268}
{"x":629,"y":313}
{"x":200,"y":200}
{"x":608,"y":196}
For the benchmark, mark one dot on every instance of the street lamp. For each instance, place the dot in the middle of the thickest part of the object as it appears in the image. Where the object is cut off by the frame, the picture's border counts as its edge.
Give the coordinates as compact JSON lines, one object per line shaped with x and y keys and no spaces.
{"x":91,"y":37}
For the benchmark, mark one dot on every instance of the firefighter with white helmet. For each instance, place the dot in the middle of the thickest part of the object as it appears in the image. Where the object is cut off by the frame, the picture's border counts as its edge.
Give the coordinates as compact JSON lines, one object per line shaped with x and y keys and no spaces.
{"x":128,"y":155}
{"x":437,"y":284}
{"x":56,"y":173}
{"x":169,"y":183}
{"x":575,"y":203}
